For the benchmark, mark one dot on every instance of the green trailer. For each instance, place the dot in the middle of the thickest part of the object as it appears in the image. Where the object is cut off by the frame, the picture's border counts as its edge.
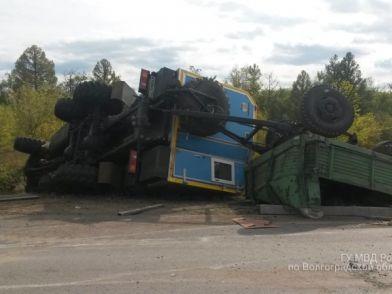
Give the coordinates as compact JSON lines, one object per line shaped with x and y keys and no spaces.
{"x":309,"y":171}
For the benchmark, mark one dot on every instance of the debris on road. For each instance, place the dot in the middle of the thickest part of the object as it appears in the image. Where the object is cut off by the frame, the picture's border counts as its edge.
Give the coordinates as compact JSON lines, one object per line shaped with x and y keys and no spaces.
{"x":17,"y":197}
{"x":247,"y":223}
{"x":139,"y":210}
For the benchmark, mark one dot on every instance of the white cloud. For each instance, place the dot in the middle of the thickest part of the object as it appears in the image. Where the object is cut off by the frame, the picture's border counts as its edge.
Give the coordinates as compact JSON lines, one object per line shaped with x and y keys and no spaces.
{"x":281,"y":36}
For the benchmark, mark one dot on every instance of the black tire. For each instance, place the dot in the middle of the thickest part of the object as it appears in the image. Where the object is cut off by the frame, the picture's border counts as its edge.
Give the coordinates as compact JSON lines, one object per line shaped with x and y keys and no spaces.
{"x":384,"y":147}
{"x":32,"y":179}
{"x":28,"y":145}
{"x":211,"y":88}
{"x":67,"y":110}
{"x":325,"y":111}
{"x":73,"y":177}
{"x":91,"y":94}
{"x":59,"y":141}
{"x":272,"y":138}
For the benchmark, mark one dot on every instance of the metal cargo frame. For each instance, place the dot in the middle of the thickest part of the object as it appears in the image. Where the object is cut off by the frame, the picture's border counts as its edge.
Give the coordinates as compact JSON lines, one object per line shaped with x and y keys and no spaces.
{"x":290,"y":173}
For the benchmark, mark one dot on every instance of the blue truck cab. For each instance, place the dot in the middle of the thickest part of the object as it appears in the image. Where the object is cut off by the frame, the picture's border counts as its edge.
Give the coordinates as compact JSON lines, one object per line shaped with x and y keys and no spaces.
{"x":216,"y":162}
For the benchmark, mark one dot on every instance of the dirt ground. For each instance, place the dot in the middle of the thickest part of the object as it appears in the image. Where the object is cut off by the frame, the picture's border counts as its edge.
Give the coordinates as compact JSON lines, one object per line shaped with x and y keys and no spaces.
{"x":78,"y":244}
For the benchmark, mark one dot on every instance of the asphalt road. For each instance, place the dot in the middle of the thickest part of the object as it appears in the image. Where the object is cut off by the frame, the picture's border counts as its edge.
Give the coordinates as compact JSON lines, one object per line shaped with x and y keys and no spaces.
{"x":72,"y":245}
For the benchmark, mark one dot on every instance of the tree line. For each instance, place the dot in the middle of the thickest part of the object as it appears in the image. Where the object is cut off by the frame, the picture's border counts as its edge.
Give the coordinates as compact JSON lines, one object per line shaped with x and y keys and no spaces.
{"x":28,"y":93}
{"x":34,"y":70}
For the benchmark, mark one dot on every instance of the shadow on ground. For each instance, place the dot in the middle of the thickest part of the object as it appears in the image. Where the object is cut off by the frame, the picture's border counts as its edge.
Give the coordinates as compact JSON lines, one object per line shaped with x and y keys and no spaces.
{"x":192,"y":209}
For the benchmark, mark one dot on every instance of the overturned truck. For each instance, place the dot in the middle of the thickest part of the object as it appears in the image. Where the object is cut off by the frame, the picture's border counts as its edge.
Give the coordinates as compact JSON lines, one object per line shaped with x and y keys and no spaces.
{"x":180,"y":130}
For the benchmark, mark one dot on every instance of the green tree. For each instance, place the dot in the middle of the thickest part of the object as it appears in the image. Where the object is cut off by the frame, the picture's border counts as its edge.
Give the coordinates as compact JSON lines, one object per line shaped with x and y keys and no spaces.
{"x":382,"y":108}
{"x":275,"y":104}
{"x":273,"y":100}
{"x":71,"y":80}
{"x":252,"y":79}
{"x":300,"y":86}
{"x":381,"y":102}
{"x":340,"y":73}
{"x":347,"y":89}
{"x":6,"y":88}
{"x":10,"y":162}
{"x":236,"y":77}
{"x":4,"y":91}
{"x":268,"y":95}
{"x":7,"y":127}
{"x":33,"y":111}
{"x":247,"y":78}
{"x":344,"y":70}
{"x":368,"y":130}
{"x":33,"y":69}
{"x":103,"y":72}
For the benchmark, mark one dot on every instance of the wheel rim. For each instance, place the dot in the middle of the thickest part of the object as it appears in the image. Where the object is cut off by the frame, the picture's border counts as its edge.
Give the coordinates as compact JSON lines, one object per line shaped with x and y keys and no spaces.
{"x":330,"y":109}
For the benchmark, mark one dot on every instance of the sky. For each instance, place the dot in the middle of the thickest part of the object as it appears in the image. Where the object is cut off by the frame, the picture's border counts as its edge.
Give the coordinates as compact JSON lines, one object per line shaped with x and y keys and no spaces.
{"x":282,"y":37}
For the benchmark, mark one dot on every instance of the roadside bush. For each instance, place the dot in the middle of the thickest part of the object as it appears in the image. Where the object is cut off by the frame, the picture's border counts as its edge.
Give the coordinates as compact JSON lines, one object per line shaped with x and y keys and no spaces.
{"x":33,"y":111}
{"x":29,"y":113}
{"x":368,"y":130}
{"x":9,"y":178}
{"x":7,"y":127}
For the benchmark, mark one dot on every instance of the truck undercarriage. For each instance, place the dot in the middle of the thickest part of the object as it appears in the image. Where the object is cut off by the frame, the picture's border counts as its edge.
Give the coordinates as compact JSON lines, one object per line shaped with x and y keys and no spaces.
{"x":109,"y":131}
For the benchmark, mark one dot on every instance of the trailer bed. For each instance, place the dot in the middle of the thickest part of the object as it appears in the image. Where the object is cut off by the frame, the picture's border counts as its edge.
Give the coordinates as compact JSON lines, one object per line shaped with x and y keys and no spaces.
{"x":309,"y":170}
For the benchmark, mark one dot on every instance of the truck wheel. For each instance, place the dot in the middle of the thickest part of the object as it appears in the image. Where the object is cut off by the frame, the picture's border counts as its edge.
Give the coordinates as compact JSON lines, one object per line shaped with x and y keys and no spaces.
{"x":67,"y":110}
{"x":326,"y":112}
{"x":28,"y":145}
{"x":384,"y":147}
{"x":199,"y":102}
{"x":75,"y":177}
{"x":91,"y":94}
{"x":32,"y":179}
{"x":59,"y":141}
{"x":31,"y":184}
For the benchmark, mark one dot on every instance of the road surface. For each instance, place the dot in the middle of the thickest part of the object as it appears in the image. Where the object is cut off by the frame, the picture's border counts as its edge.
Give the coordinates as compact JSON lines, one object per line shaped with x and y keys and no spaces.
{"x":75,"y":244}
